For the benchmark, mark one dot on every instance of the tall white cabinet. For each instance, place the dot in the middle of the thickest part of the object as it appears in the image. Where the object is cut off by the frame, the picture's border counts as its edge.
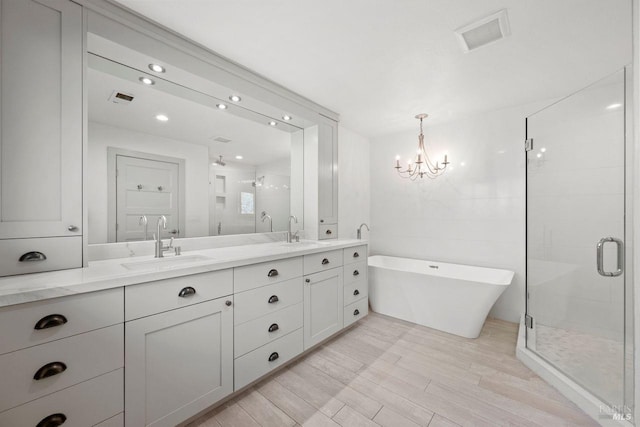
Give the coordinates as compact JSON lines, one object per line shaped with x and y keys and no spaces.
{"x":41,"y":135}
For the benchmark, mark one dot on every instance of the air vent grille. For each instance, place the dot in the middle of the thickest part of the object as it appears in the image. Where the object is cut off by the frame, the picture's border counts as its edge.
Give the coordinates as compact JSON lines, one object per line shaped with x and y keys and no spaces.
{"x":222,"y":139}
{"x":484,"y":31}
{"x":121,"y":97}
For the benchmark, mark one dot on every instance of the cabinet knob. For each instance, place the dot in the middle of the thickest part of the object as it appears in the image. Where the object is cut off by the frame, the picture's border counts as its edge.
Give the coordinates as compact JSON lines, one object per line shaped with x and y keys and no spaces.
{"x":49,"y":370}
{"x":328,"y":232}
{"x":325,"y":261}
{"x":185,"y":292}
{"x":356,"y":273}
{"x":273,"y":356}
{"x":50,"y":321}
{"x":307,"y":280}
{"x":356,"y":312}
{"x":273,"y":299}
{"x":228,"y":303}
{"x":274,"y":327}
{"x":32,"y":256}
{"x":272,"y":273}
{"x":356,"y":255}
{"x":356,"y":292}
{"x":53,"y":420}
{"x":73,"y":228}
{"x":321,"y":221}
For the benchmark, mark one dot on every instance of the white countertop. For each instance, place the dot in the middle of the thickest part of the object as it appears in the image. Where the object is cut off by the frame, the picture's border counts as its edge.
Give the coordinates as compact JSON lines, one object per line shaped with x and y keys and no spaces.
{"x":113,"y":273}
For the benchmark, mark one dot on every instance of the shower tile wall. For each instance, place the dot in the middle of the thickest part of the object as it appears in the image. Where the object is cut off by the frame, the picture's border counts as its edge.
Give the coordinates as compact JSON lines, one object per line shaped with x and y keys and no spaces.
{"x":474,"y":214}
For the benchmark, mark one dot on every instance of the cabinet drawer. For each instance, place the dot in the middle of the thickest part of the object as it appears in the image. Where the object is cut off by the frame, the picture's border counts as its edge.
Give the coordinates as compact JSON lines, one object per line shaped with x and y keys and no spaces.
{"x":258,"y":332}
{"x":355,"y":291}
{"x":58,"y":318}
{"x":252,"y":366}
{"x":322,"y":261}
{"x":84,"y":404}
{"x":328,"y":231}
{"x":355,"y":254}
{"x":60,"y":253}
{"x":265,"y":273}
{"x":356,"y":311}
{"x":355,"y":272}
{"x":255,"y":303}
{"x":164,"y":295}
{"x":60,"y":363}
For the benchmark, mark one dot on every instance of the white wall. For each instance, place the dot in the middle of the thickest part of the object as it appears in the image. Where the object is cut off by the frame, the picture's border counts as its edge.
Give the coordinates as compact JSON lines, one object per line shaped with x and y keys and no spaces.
{"x":196,"y":157}
{"x":354,"y":193}
{"x":474,"y":214}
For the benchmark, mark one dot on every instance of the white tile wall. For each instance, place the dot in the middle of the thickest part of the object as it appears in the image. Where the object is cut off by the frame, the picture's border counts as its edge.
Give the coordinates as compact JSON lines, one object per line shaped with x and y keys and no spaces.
{"x":474,"y":214}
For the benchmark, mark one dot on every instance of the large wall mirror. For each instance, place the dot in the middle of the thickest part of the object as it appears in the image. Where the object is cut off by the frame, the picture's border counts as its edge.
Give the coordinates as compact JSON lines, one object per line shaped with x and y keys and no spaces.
{"x":156,"y":147}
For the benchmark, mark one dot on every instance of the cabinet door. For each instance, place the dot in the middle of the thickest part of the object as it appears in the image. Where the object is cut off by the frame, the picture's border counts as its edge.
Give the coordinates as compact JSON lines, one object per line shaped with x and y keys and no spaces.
{"x":328,"y":174}
{"x":323,"y":306}
{"x":40,"y":118}
{"x":178,"y":363}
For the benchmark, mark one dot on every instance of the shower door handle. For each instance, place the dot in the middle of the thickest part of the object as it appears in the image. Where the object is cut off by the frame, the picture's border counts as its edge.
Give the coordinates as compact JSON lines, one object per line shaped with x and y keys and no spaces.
{"x":620,"y":256}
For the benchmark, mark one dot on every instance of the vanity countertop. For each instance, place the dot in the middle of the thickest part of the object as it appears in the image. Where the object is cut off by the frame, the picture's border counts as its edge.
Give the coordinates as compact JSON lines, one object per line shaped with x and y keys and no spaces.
{"x":113,"y":273}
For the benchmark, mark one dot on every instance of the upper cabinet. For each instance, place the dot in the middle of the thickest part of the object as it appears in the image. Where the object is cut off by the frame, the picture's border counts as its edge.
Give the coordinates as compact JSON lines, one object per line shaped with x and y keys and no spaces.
{"x":41,"y":135}
{"x":328,"y":175}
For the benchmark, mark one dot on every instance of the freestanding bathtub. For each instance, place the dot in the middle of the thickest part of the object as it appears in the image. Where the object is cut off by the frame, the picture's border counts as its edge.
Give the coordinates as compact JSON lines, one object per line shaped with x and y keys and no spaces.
{"x":450,"y":297}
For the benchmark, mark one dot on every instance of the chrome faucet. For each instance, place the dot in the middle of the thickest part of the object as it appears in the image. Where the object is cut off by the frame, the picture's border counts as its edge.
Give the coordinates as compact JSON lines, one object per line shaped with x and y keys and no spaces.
{"x":265,"y":216}
{"x":160,"y":247}
{"x":144,"y":223}
{"x":289,"y":235}
{"x":360,"y":230}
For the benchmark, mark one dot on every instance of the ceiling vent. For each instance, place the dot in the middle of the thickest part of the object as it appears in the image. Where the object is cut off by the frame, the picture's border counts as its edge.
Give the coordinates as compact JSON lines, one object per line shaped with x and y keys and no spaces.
{"x":222,"y":139}
{"x":121,"y":97}
{"x":484,"y":31}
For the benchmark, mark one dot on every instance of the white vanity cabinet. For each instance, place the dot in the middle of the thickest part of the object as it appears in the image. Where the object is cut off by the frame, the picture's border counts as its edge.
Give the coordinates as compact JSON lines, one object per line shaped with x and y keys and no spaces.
{"x":323,"y":296}
{"x":61,"y":360}
{"x":41,"y":70}
{"x":179,"y":360}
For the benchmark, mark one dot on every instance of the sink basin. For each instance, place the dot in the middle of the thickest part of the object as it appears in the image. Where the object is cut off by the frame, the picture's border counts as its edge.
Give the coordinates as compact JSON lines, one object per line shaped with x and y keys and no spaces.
{"x":165,"y":263}
{"x":304,"y":244}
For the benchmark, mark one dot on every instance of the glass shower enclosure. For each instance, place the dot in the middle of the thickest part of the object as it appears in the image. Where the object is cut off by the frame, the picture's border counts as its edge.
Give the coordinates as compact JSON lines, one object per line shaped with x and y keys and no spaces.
{"x":578,"y":283}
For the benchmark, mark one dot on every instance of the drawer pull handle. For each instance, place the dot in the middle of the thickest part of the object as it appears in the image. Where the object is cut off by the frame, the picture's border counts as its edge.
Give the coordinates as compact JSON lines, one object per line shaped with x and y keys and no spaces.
{"x":356,"y":273}
{"x":356,"y":255}
{"x":50,"y":321}
{"x":228,"y":303}
{"x":32,"y":256}
{"x":328,"y":232}
{"x":274,"y":327}
{"x":325,"y":261}
{"x":49,"y":370}
{"x":356,"y":292}
{"x":273,"y":299}
{"x":72,"y":228}
{"x":53,"y":420}
{"x":272,"y":273}
{"x":356,"y":312}
{"x":273,"y":356}
{"x":185,"y":292}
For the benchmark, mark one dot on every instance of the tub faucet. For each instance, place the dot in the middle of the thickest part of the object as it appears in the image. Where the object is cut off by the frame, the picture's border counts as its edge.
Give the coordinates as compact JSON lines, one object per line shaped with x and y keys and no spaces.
{"x":289,"y":235}
{"x":360,"y":230}
{"x":160,"y":247}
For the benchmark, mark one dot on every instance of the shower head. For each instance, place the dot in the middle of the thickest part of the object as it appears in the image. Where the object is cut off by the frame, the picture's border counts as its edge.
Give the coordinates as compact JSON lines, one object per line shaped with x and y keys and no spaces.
{"x":220,"y":162}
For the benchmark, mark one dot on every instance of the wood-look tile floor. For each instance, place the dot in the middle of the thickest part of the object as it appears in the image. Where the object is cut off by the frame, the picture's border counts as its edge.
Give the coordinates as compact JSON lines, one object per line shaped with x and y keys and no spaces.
{"x":391,"y":373}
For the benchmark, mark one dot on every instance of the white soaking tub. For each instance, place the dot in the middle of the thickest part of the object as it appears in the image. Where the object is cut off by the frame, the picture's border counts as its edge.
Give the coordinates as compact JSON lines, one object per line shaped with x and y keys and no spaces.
{"x":450,"y":297}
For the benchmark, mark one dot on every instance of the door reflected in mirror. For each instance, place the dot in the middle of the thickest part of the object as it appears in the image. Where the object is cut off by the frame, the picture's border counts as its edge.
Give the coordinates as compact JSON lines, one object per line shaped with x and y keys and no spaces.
{"x":158,"y":148}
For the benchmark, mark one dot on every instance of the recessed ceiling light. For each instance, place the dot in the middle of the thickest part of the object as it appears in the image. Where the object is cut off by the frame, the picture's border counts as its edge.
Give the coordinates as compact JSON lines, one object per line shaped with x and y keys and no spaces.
{"x":272,"y":123}
{"x":162,"y":118}
{"x":147,"y":81}
{"x":462,"y":163}
{"x":542,"y":150}
{"x":614,"y":106}
{"x":286,"y":117}
{"x":539,"y":155}
{"x":239,"y":157}
{"x":221,"y":106}
{"x":157,"y":68}
{"x":235,"y":98}
{"x":501,"y":151}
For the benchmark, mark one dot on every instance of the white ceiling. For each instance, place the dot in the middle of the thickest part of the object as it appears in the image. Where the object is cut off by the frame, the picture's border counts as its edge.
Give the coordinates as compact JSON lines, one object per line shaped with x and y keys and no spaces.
{"x":379,"y":62}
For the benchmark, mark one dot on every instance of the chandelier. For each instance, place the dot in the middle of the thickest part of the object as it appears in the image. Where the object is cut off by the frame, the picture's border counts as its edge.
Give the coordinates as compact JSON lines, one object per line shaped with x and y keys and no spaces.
{"x":423,"y":165}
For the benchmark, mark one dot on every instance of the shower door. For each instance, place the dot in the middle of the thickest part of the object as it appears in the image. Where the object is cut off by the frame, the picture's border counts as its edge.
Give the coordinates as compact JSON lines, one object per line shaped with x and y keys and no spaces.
{"x":576,"y":237}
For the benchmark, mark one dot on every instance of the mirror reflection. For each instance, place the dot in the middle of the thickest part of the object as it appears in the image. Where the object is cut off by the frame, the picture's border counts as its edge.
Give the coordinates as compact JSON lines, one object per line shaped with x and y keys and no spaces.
{"x":158,"y":148}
